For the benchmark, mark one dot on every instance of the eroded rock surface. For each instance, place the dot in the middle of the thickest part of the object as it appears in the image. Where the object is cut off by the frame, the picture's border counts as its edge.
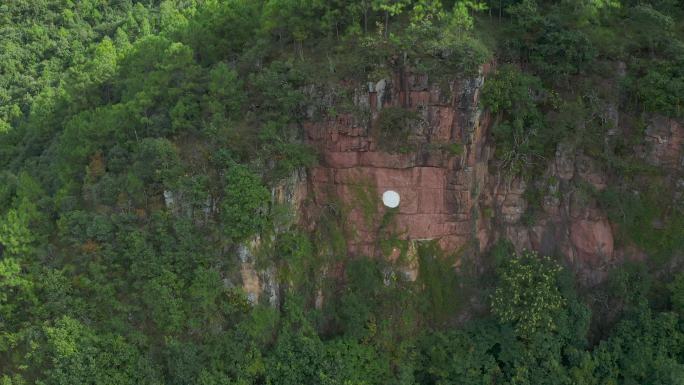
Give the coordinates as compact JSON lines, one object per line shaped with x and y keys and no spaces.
{"x":451,"y":189}
{"x":664,"y":139}
{"x":435,"y":179}
{"x":455,"y":197}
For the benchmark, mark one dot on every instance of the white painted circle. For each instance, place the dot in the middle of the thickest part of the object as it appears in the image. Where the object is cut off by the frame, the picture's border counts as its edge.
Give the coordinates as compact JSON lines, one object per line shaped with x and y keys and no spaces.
{"x":390,"y":198}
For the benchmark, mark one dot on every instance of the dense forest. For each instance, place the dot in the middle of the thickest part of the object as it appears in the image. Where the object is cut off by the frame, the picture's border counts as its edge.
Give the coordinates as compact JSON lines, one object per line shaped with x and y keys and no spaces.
{"x":108,"y":106}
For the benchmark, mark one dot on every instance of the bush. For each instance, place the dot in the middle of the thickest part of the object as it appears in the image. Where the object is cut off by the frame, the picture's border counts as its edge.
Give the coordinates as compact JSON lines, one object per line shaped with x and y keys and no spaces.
{"x":244,"y":206}
{"x":393,"y":128}
{"x":521,"y":136}
{"x":646,"y":219}
{"x":661,"y":88}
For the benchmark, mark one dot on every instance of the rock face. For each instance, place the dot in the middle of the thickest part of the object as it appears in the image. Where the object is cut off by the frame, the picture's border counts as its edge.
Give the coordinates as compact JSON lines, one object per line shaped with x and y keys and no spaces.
{"x":592,"y":238}
{"x":664,"y":139}
{"x":261,"y":283}
{"x":435,"y":180}
{"x":450,"y":187}
{"x":257,"y":282}
{"x":569,"y":221}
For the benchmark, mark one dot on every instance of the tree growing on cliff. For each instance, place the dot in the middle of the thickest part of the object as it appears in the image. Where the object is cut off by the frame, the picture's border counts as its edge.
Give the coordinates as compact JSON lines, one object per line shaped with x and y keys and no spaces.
{"x":520,"y":131}
{"x":243,"y":209}
{"x":390,"y":8}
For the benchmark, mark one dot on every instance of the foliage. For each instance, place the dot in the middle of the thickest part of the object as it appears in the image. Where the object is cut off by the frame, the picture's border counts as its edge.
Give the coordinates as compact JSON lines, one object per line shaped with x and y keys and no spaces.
{"x":144,"y":144}
{"x":15,"y":235}
{"x":677,"y":289}
{"x":393,"y":128}
{"x":659,"y":88}
{"x":441,"y":285}
{"x":644,"y":348}
{"x":637,"y":213}
{"x":459,"y":356}
{"x":77,"y":355}
{"x":243,"y":208}
{"x":521,"y":135}
{"x":527,"y":294}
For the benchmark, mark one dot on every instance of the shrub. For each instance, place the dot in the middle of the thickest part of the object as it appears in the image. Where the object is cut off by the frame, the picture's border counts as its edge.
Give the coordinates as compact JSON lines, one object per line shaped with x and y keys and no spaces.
{"x":393,"y":128}
{"x":520,"y":133}
{"x":243,"y":208}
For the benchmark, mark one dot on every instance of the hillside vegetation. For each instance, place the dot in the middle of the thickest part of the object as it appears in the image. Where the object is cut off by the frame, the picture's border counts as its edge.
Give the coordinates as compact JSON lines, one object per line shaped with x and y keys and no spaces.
{"x":107,"y":106}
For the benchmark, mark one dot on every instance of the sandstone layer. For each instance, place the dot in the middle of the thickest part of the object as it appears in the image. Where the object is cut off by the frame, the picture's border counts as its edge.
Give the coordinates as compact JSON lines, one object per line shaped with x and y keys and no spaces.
{"x":450,"y":186}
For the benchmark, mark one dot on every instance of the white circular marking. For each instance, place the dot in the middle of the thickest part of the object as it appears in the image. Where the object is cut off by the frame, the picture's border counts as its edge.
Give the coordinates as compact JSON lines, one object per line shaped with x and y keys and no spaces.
{"x":390,"y":199}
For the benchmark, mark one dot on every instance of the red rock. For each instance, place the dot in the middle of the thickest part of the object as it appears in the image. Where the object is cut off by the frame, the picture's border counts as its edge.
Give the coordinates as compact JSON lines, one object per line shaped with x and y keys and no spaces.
{"x":341,"y":159}
{"x":452,"y":243}
{"x":419,"y":98}
{"x":483,"y":239}
{"x":432,"y":177}
{"x":588,"y":170}
{"x":347,"y":143}
{"x":394,"y":178}
{"x":519,"y":237}
{"x":430,"y":226}
{"x":373,"y":100}
{"x":394,"y":254}
{"x":322,"y":192}
{"x":435,"y":95}
{"x":402,"y":98}
{"x":432,"y":201}
{"x":512,"y":202}
{"x":385,"y":160}
{"x":366,"y":250}
{"x":355,"y":175}
{"x":441,"y":120}
{"x":593,"y":240}
{"x":321,"y":175}
{"x":417,"y":82}
{"x":431,"y":207}
{"x":458,"y":227}
{"x":410,"y":199}
{"x":565,"y":162}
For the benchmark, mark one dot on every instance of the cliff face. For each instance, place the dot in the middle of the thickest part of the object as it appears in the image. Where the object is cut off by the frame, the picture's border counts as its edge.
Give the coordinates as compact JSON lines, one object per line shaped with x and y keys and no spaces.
{"x":451,"y":189}
{"x":437,"y":178}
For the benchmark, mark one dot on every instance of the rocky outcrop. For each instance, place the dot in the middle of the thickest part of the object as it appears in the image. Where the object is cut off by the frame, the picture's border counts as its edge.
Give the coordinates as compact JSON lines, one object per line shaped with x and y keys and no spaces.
{"x":436,"y":179}
{"x":260,"y":283}
{"x":663,"y":143}
{"x":257,"y":282}
{"x":451,"y":189}
{"x":568,"y":220}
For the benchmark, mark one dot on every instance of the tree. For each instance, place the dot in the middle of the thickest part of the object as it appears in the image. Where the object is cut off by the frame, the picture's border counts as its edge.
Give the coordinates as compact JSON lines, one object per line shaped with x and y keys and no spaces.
{"x":226,"y":96}
{"x":520,"y":131}
{"x":243,"y":208}
{"x":390,"y":8}
{"x":677,"y":289}
{"x":426,"y":12}
{"x":298,"y":353}
{"x":16,"y":290}
{"x":157,"y":164}
{"x":460,"y":356}
{"x":15,"y":236}
{"x":527,"y":294}
{"x":163,"y":299}
{"x":78,"y":355}
{"x":349,"y":362}
{"x":644,"y":348}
